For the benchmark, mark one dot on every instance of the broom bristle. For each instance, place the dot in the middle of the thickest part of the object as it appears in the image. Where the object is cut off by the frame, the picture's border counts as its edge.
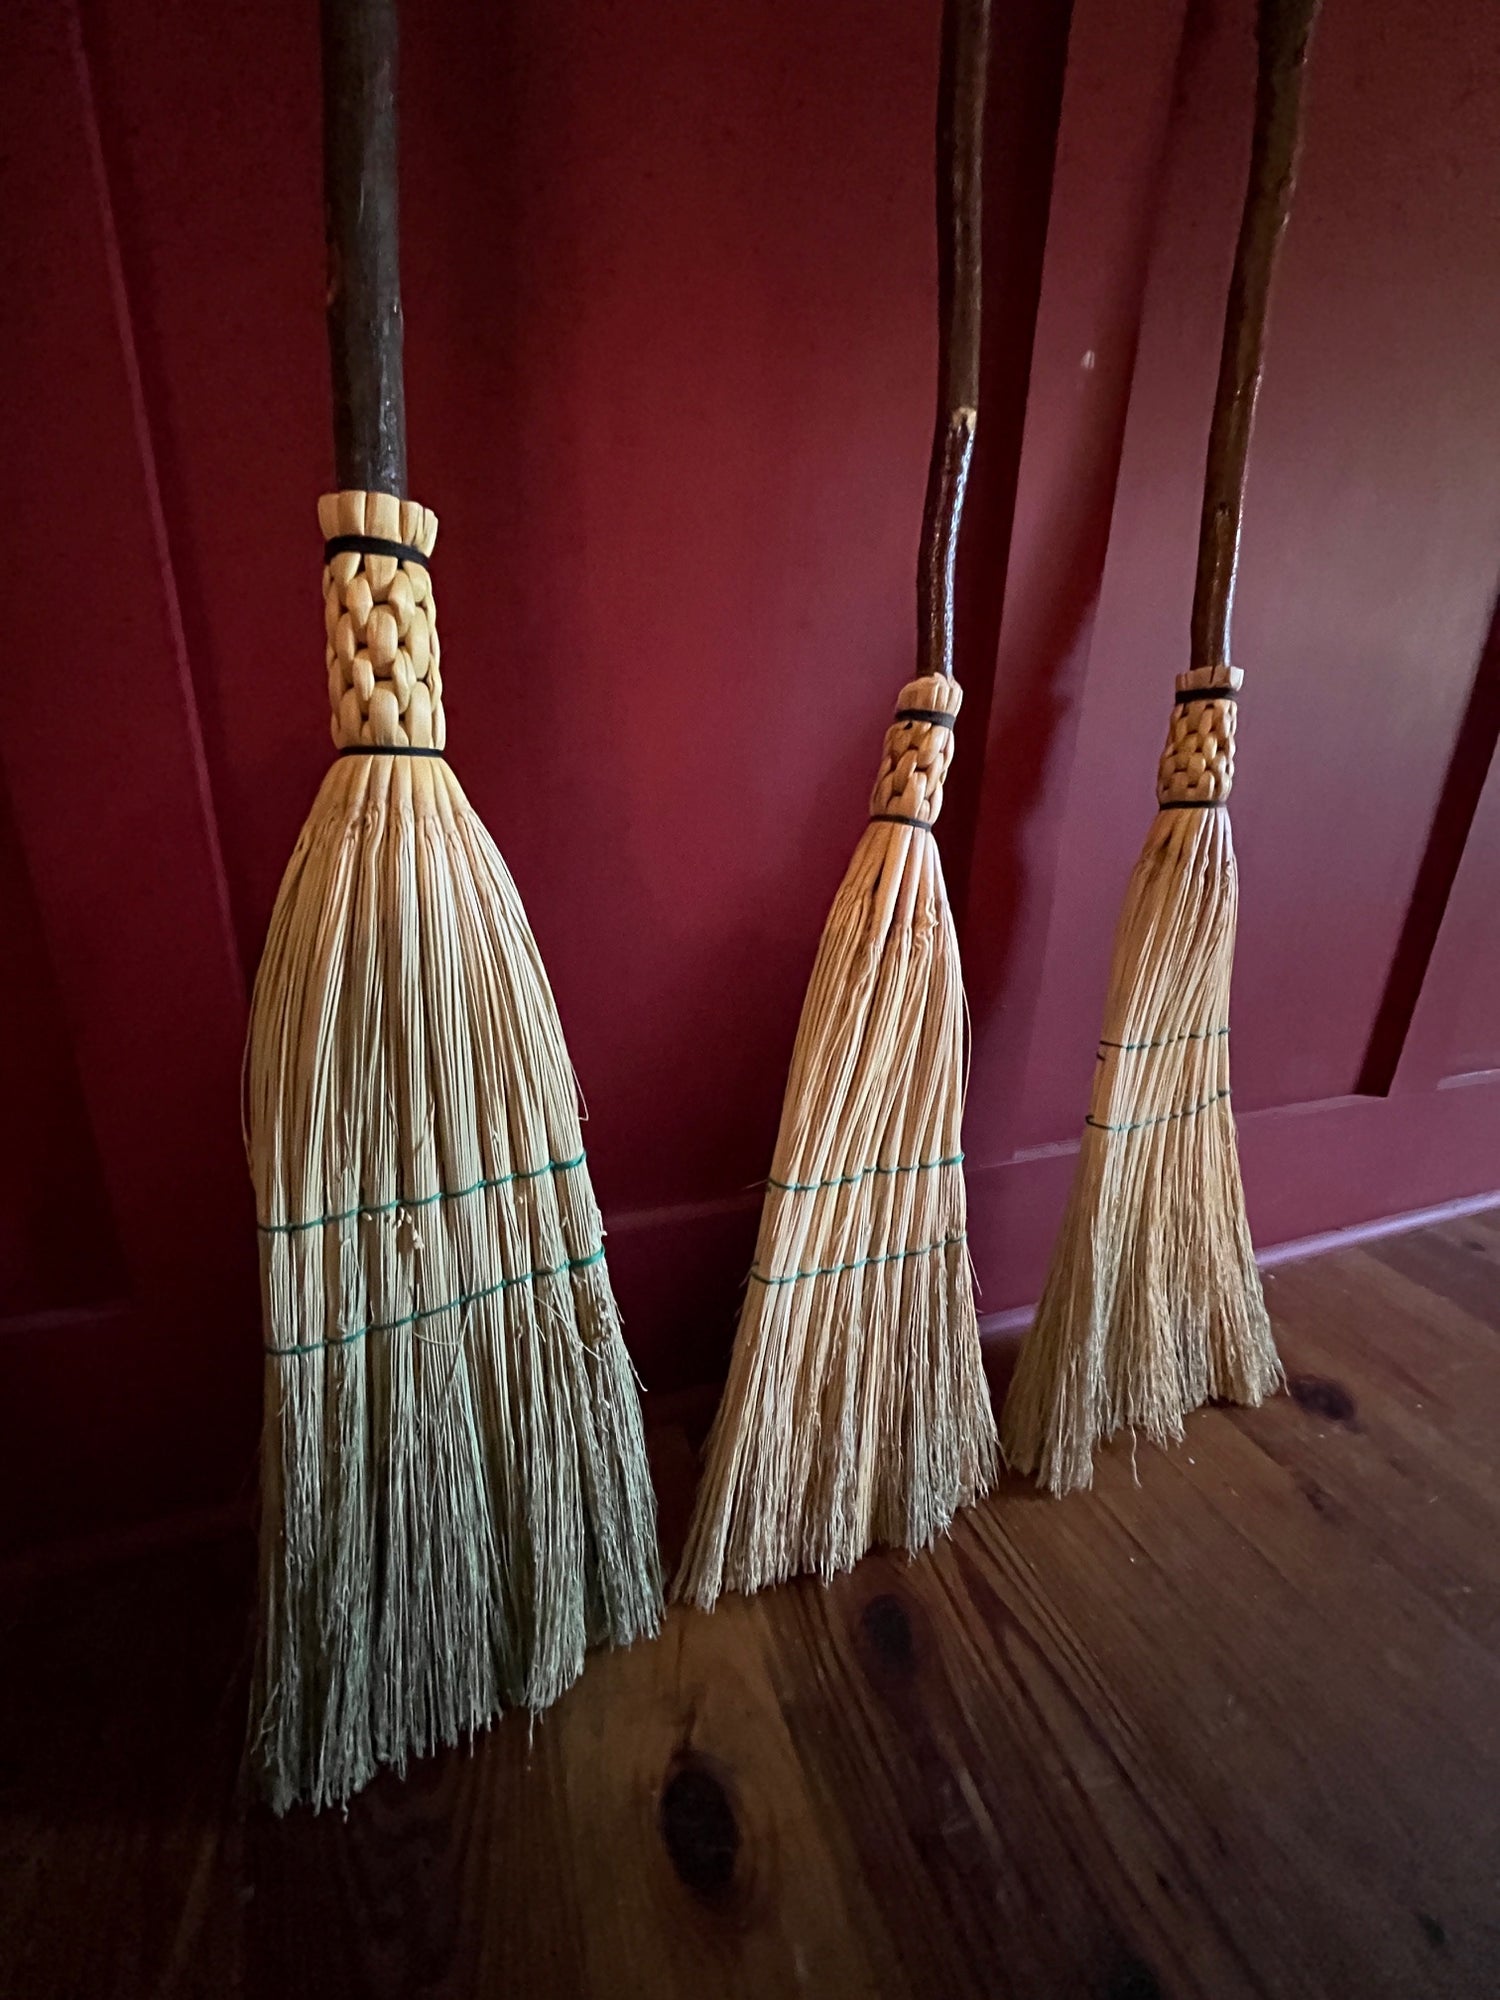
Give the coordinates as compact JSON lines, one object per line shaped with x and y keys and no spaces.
{"x":856,"y":1409}
{"x":1153,"y":1305}
{"x":455,"y":1495}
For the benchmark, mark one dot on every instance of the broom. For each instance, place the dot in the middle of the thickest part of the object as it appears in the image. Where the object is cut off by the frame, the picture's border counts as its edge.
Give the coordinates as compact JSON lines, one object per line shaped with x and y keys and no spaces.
{"x":1153,"y":1305}
{"x":454,"y":1486}
{"x":856,"y":1408}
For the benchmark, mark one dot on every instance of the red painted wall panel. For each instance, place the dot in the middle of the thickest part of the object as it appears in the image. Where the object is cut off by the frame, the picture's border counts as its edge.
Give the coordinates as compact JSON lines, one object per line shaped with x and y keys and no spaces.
{"x":669,"y":277}
{"x":57,"y":1243}
{"x":144,"y":1402}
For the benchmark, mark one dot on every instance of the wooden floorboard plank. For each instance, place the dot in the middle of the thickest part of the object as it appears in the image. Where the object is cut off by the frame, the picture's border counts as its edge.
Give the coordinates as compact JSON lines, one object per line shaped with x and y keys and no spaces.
{"x":124,"y":1706}
{"x":404,"y":1895}
{"x":1458,"y":1261}
{"x":686,"y":1786}
{"x":1399,"y":1432}
{"x":911,"y":1713}
{"x":1250,"y":1657}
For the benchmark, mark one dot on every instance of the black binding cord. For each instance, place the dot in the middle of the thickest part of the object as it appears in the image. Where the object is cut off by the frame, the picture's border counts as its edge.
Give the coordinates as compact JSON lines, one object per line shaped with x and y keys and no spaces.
{"x":373,"y":545}
{"x":938,"y":717}
{"x":1207,"y":694}
{"x":902,"y":819}
{"x":386,"y":750}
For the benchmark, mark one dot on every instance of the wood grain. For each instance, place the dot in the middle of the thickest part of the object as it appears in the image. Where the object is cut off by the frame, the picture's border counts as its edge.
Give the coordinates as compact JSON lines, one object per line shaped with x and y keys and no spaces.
{"x":1229,"y":1725}
{"x":361,"y":223}
{"x":1283,"y":31}
{"x":962,"y":78}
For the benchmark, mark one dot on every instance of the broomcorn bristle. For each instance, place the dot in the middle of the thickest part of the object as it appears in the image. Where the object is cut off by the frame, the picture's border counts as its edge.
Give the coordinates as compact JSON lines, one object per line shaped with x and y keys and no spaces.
{"x":856,"y":1409}
{"x":455,"y":1494}
{"x":1153,"y":1305}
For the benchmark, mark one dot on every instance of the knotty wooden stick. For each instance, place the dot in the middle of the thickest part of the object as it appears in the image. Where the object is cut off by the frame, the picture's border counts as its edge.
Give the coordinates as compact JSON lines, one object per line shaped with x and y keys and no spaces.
{"x":360,"y":216}
{"x":960,"y":133}
{"x":1283,"y":33}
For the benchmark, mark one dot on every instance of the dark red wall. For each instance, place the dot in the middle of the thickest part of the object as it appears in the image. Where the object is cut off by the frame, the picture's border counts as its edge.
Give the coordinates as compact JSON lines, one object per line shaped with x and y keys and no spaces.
{"x":670,"y":351}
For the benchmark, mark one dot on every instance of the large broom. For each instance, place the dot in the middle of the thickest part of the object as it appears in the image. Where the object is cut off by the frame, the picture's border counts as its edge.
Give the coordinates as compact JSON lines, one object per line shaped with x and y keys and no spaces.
{"x":856,"y":1409}
{"x":455,"y":1493}
{"x":1153,"y":1305}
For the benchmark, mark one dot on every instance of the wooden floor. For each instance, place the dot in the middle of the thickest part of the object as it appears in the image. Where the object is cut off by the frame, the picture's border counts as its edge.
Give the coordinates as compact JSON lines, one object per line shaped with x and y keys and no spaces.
{"x":1229,"y":1725}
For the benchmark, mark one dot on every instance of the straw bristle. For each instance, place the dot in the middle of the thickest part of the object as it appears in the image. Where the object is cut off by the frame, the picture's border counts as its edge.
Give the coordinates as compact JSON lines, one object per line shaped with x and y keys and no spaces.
{"x":856,"y":1410}
{"x":1153,"y":1305}
{"x":456,"y":1501}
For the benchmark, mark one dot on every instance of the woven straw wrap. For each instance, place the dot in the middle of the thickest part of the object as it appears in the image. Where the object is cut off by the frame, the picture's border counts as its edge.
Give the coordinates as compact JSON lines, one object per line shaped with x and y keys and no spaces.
{"x":917,"y":754}
{"x":385,"y":685}
{"x":1197,"y":766}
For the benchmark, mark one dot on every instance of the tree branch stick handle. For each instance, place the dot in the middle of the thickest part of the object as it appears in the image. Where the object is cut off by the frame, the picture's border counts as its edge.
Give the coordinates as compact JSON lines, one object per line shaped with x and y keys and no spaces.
{"x":1283,"y":33}
{"x":360,"y":215}
{"x":960,"y":135}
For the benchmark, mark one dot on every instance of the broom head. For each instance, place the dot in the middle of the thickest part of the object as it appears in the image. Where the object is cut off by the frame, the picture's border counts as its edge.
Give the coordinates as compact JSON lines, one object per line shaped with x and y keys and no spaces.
{"x":455,"y":1495}
{"x":1153,"y":1305}
{"x":856,"y":1409}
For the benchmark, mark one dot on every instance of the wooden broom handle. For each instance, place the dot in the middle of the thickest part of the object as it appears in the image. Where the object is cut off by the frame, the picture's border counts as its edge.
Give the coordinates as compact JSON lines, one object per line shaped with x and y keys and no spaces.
{"x":1283,"y":32}
{"x":960,"y":145}
{"x":360,"y":216}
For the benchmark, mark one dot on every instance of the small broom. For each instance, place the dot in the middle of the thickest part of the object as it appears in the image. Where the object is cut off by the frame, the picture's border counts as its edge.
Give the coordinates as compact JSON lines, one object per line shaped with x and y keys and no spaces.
{"x":1153,"y":1305}
{"x":856,"y":1409}
{"x":454,"y":1486}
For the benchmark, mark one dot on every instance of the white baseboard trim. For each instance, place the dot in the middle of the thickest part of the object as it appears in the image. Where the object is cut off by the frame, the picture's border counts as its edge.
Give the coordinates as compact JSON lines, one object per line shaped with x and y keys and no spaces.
{"x":1015,"y":1319}
{"x":1356,"y":1233}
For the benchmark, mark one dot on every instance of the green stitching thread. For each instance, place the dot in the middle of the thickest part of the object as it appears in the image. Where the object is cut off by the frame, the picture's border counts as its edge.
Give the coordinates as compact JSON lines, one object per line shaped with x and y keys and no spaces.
{"x":1192,"y":1035}
{"x":1165,"y":1118}
{"x":423,"y":1200}
{"x":848,"y":1180}
{"x":433,"y":1312}
{"x":860,"y":1264}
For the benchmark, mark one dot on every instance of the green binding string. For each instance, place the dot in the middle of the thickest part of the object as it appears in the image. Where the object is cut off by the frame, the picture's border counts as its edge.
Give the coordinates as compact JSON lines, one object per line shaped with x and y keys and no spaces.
{"x":860,"y":1264}
{"x":848,"y":1180}
{"x":1169,"y":1041}
{"x":1165,"y":1118}
{"x":451,"y":1305}
{"x":421,"y":1200}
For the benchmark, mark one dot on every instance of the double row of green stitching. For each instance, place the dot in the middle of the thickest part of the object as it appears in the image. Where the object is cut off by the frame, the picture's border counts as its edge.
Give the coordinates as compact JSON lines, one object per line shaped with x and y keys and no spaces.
{"x":1165,"y":1118}
{"x":450,"y":1305}
{"x":421,"y":1200}
{"x":860,"y":1263}
{"x":1170,"y":1041}
{"x":850,"y":1180}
